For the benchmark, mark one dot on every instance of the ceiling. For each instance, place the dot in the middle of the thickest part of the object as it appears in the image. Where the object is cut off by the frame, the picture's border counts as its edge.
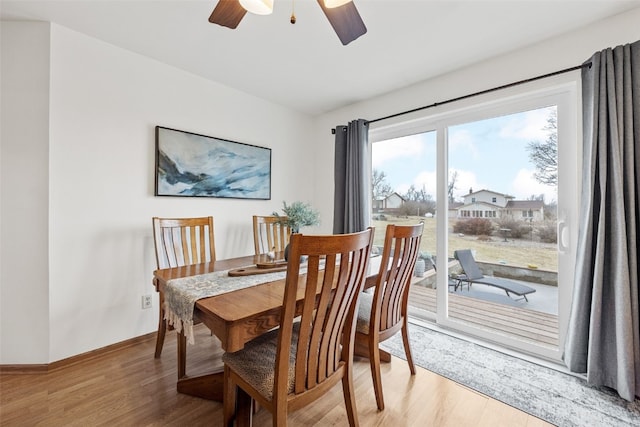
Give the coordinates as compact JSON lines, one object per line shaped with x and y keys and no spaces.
{"x":304,"y":66}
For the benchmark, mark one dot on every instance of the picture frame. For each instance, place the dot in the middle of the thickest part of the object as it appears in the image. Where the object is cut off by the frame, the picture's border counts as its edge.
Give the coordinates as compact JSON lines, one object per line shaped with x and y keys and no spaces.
{"x":192,"y":165}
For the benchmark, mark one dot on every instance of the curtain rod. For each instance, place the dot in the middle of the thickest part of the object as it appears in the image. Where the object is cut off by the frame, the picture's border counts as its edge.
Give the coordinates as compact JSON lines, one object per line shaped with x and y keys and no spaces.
{"x":482,"y":92}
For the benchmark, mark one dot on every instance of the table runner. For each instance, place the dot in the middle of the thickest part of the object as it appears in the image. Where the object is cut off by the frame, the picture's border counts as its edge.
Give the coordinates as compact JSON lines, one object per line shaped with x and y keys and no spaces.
{"x":180,"y":295}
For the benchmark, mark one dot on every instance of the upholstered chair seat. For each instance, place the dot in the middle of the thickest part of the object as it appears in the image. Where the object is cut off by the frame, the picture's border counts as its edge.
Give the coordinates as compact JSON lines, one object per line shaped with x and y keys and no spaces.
{"x":364,"y":313}
{"x":255,"y":362}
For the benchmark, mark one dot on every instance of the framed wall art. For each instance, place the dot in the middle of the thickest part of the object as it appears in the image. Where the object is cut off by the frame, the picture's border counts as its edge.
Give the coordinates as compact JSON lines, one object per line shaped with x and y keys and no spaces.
{"x":192,"y":165}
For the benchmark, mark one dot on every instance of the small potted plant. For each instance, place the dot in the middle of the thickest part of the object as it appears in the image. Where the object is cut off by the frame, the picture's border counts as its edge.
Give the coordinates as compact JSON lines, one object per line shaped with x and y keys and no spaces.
{"x":297,"y":215}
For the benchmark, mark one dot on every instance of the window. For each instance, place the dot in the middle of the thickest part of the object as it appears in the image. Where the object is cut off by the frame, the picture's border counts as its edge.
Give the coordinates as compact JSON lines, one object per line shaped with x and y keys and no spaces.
{"x":494,"y":199}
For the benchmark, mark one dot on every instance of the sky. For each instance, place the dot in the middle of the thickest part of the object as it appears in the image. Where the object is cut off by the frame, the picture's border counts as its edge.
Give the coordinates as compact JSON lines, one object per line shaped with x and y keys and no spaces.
{"x":489,"y":154}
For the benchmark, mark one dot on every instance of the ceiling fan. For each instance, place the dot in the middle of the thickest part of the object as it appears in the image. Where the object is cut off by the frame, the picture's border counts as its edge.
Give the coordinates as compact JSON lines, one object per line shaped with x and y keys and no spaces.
{"x":342,"y":15}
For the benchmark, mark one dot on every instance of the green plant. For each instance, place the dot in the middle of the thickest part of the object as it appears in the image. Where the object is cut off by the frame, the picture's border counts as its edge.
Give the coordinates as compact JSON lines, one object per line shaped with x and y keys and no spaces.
{"x":299,"y":214}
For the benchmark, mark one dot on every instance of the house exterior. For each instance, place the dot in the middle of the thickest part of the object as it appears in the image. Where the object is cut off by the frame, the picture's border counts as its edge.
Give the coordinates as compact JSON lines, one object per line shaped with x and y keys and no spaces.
{"x":392,"y":201}
{"x":525,"y":209}
{"x":494,"y":205}
{"x":453,"y":209}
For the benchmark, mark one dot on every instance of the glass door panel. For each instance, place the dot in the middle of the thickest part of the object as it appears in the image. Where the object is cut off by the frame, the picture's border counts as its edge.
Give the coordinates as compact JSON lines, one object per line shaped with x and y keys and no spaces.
{"x":502,"y":239}
{"x":404,"y":192}
{"x":496,"y":180}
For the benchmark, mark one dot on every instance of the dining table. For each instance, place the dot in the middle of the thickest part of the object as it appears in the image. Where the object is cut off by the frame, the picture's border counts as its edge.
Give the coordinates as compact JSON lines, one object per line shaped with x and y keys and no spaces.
{"x":235,"y":317}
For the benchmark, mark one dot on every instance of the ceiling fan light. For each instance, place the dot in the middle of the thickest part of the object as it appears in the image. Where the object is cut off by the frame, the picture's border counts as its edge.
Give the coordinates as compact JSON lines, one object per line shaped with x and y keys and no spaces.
{"x":259,"y":7}
{"x":330,"y":4}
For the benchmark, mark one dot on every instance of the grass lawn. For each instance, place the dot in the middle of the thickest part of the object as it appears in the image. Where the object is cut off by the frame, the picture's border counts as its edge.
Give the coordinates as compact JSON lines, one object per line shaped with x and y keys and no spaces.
{"x":515,"y":252}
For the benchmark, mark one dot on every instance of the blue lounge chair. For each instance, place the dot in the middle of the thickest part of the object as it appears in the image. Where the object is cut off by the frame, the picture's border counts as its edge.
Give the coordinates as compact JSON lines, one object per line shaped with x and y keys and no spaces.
{"x":472,"y":274}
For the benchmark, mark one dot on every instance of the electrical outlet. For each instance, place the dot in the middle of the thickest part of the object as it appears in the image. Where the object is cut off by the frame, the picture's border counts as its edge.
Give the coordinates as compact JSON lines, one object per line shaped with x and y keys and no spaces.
{"x":146,"y":301}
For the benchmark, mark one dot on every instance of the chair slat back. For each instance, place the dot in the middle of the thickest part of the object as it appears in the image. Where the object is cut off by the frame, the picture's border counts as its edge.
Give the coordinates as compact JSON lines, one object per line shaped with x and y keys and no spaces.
{"x":270,"y":234}
{"x":399,"y":255}
{"x":183,"y":241}
{"x":336,"y":269}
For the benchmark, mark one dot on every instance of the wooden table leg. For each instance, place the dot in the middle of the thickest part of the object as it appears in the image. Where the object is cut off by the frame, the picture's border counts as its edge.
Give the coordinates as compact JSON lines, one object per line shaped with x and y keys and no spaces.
{"x":385,"y":356}
{"x":182,"y":354}
{"x":363,"y":351}
{"x":208,"y":386}
{"x":205,"y":386}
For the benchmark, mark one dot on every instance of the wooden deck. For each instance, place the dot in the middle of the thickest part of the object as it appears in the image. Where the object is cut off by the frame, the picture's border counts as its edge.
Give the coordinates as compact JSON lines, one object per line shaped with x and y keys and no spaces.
{"x":529,"y":325}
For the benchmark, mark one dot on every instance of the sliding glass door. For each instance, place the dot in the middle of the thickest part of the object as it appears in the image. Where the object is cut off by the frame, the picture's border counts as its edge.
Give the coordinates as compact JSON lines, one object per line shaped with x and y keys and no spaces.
{"x":497,"y":183}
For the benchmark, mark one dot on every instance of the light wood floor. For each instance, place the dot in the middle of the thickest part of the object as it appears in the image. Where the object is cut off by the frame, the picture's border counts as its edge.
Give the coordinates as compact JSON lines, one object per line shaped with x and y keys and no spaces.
{"x":128,"y":387}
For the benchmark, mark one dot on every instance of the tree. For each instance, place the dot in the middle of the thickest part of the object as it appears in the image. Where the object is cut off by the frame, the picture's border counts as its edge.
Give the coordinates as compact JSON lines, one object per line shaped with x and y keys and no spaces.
{"x":413,"y":195}
{"x":551,"y":211}
{"x":379,"y":186}
{"x":544,"y":155}
{"x":451,"y":187}
{"x":417,"y":202}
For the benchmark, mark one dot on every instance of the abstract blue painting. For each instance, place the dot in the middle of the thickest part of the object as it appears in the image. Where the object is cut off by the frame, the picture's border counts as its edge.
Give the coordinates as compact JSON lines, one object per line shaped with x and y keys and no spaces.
{"x":192,"y":165}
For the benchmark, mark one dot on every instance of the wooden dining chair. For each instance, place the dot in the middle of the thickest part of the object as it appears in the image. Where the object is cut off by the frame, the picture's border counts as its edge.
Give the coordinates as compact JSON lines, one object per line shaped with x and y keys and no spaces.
{"x":297,"y":363}
{"x":382,"y":314}
{"x":270,"y":233}
{"x":178,"y":242}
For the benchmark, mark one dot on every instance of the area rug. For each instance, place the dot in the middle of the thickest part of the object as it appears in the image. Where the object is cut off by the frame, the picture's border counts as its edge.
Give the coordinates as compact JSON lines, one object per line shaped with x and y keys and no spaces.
{"x":558,"y":398}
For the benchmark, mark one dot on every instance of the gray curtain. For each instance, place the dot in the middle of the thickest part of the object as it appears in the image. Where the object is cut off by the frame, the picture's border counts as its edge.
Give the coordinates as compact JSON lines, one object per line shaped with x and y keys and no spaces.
{"x":603,"y":339}
{"x":352,"y":179}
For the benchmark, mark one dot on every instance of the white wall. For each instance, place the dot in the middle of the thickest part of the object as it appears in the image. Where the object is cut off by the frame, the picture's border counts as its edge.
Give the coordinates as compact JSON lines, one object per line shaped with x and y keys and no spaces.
{"x":552,"y":55}
{"x":555,"y":54}
{"x":83,"y":151}
{"x":24,"y":191}
{"x":104,"y":105}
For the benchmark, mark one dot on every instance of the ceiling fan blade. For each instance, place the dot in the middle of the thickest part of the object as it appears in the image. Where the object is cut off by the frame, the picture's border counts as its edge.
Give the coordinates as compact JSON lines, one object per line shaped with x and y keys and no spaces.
{"x":227,"y":13}
{"x":345,"y":20}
